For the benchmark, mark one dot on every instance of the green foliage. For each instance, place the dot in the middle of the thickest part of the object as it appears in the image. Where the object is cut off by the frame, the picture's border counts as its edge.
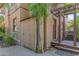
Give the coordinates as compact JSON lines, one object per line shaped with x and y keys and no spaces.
{"x":38,"y":50}
{"x":38,"y":10}
{"x":1,"y":27}
{"x":66,"y":7}
{"x":1,"y":18}
{"x":67,"y":4}
{"x":78,"y":27}
{"x":1,"y":23}
{"x":69,"y":37}
{"x":9,"y":40}
{"x":72,"y":23}
{"x":1,"y":34}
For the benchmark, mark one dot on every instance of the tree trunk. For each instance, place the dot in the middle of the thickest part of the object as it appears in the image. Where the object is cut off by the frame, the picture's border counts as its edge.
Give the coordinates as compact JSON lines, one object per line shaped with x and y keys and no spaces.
{"x":38,"y":36}
{"x":44,"y":43}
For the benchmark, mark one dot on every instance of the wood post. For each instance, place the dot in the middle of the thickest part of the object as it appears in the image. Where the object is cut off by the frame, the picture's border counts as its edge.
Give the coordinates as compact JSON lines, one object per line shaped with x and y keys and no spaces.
{"x":75,"y":27}
{"x":59,"y":40}
{"x":63,"y":27}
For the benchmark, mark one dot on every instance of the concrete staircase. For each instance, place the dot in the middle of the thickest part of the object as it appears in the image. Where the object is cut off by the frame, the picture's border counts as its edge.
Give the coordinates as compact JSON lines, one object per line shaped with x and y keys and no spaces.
{"x":65,"y":47}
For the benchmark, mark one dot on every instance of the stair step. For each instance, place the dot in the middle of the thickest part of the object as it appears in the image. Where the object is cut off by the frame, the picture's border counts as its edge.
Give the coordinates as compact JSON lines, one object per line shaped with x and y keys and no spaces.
{"x":67,"y":49}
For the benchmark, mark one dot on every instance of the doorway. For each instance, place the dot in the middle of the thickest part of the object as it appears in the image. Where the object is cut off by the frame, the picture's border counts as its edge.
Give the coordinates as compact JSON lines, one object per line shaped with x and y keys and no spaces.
{"x":54,"y":29}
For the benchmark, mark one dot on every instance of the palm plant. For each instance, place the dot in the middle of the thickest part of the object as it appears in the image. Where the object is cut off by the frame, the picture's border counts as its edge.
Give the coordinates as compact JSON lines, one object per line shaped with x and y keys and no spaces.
{"x":38,"y":11}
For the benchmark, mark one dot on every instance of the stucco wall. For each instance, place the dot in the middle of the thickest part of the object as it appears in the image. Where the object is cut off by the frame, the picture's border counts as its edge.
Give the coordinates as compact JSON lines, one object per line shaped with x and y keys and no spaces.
{"x":50,"y":22}
{"x":49,"y":31}
{"x":24,"y":13}
{"x":6,"y":22}
{"x":12,"y":17}
{"x":28,"y":33}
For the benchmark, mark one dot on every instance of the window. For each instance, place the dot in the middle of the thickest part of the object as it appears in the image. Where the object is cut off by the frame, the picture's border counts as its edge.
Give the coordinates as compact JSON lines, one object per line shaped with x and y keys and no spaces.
{"x":54,"y":29}
{"x":14,"y":24}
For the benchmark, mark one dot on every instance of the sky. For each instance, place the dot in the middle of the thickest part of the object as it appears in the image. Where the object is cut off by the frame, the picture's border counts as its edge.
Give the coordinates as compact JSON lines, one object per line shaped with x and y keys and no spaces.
{"x":71,"y":16}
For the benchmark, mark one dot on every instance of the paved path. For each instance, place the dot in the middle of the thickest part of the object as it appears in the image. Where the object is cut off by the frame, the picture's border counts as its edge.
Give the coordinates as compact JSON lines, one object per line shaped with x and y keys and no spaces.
{"x":20,"y":51}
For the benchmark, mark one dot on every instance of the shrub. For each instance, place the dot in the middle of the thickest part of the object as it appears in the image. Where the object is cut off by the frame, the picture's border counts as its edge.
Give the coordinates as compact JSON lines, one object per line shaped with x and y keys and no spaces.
{"x":69,"y":37}
{"x":38,"y":50}
{"x":9,"y":40}
{"x":1,"y":35}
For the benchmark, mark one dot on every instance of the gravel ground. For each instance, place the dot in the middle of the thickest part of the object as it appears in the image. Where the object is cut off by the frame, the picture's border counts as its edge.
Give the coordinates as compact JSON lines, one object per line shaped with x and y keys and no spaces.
{"x":21,"y":51}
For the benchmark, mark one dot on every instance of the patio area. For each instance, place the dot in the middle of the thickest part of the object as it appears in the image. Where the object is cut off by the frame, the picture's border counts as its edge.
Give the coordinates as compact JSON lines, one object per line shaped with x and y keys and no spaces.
{"x":21,"y":51}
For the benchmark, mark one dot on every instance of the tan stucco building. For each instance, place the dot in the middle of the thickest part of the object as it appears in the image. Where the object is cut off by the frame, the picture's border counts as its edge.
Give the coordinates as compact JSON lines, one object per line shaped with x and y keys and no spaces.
{"x":20,"y":23}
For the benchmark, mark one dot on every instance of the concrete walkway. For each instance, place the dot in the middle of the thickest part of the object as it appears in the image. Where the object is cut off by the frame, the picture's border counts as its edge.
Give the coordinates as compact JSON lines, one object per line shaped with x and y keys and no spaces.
{"x":21,"y":51}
